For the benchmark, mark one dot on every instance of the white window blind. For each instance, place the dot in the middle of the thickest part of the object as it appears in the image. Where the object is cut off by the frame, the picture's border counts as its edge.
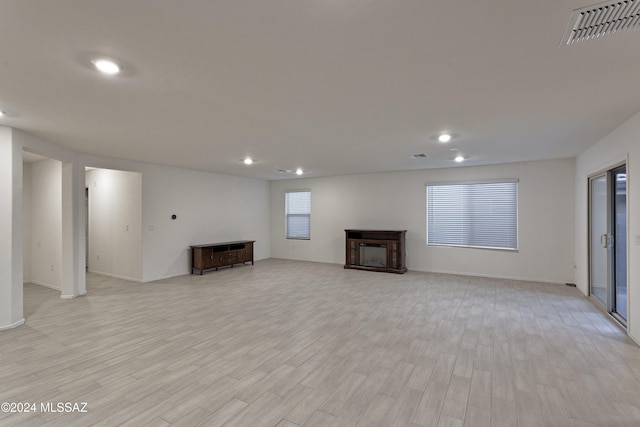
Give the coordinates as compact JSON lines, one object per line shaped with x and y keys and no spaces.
{"x":483,"y":214}
{"x":298,"y":214}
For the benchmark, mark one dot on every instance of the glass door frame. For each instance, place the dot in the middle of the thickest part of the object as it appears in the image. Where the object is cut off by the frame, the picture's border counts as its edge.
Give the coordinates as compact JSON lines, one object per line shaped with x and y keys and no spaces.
{"x":609,"y":306}
{"x":613,"y":256}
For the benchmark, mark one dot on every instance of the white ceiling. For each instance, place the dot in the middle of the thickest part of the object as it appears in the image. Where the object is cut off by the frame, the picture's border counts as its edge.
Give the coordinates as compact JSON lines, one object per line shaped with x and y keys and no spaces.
{"x":332,"y":86}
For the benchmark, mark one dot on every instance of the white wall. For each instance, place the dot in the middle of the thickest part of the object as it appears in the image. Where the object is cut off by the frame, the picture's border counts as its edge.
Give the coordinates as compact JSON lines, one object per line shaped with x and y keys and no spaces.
{"x":26,"y":222}
{"x":397,"y":201}
{"x":620,"y":145}
{"x":210,"y":208}
{"x":45,"y":240}
{"x":115,"y":223}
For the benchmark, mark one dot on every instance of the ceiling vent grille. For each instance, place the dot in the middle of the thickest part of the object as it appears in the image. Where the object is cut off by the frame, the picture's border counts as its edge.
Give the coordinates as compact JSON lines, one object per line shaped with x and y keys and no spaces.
{"x":601,"y":20}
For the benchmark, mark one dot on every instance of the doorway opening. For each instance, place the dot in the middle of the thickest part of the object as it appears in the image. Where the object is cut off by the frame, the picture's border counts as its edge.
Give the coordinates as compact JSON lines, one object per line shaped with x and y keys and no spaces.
{"x":41,"y":231}
{"x":114,"y":223}
{"x":42,"y":221}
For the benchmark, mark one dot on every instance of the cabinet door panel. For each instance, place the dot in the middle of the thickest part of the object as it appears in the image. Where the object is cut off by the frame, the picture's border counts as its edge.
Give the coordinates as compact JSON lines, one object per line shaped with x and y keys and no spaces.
{"x":219,"y":259}
{"x":243,"y":255}
{"x":207,"y":256}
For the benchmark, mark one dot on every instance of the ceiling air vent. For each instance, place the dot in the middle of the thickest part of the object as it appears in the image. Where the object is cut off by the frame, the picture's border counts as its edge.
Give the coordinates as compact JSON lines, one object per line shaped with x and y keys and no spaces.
{"x":601,"y":20}
{"x":418,"y":156}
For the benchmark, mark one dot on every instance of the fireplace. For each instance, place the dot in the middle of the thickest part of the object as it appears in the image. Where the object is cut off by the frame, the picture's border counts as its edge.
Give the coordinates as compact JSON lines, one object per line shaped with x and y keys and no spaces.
{"x":376,"y":250}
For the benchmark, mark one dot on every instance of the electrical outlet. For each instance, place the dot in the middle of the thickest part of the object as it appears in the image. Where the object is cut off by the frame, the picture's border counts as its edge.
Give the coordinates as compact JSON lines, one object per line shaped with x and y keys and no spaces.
{"x":51,"y":267}
{"x":126,"y":227}
{"x":98,"y":257}
{"x":638,"y":239}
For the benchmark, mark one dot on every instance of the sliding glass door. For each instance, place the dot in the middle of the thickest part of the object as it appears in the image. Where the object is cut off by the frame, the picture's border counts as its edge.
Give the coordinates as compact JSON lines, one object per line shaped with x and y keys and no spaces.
{"x":608,"y":240}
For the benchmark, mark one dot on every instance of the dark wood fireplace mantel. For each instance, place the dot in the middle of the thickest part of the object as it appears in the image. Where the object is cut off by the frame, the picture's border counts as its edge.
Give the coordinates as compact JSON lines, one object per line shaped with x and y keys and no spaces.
{"x":376,"y":250}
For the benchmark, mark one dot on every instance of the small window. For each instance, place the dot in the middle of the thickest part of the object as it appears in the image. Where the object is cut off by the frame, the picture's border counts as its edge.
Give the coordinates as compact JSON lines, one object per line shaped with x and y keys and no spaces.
{"x":298,"y":214}
{"x":480,"y":215}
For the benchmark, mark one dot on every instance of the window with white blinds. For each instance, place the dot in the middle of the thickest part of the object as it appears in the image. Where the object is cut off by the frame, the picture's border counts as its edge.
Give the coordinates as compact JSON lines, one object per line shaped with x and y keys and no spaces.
{"x":481,"y":215}
{"x":298,"y":214}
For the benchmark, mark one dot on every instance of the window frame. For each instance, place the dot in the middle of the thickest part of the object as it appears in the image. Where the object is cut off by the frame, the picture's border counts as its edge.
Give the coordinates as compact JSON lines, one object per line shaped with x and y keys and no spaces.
{"x":287,"y":215}
{"x":516,"y":217}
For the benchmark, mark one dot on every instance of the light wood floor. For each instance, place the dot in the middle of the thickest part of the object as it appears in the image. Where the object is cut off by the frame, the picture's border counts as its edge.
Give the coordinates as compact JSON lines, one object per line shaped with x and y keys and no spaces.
{"x":288,"y":343}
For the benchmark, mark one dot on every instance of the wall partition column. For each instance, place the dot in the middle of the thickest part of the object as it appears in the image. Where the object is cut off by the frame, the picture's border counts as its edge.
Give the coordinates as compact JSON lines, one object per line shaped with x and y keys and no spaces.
{"x":11,"y":306}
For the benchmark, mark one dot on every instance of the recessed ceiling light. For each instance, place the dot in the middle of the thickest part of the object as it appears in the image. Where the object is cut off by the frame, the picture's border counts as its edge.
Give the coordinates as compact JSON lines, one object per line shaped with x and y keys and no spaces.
{"x":248,"y":161}
{"x":299,"y":171}
{"x":459,"y":159}
{"x":106,"y":66}
{"x":445,"y":137}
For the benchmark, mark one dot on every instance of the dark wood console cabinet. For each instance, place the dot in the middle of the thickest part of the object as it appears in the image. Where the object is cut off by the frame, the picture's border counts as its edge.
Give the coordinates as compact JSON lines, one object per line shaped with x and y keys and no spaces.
{"x":216,"y":255}
{"x":376,"y":250}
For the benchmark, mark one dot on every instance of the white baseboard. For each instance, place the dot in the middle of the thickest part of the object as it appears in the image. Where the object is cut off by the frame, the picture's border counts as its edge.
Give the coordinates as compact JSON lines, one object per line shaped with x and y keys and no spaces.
{"x":454,"y":273}
{"x":45,"y":284}
{"x":13,"y":325}
{"x":168,"y":276}
{"x":56,"y":288}
{"x":115,"y":276}
{"x":489,"y":276}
